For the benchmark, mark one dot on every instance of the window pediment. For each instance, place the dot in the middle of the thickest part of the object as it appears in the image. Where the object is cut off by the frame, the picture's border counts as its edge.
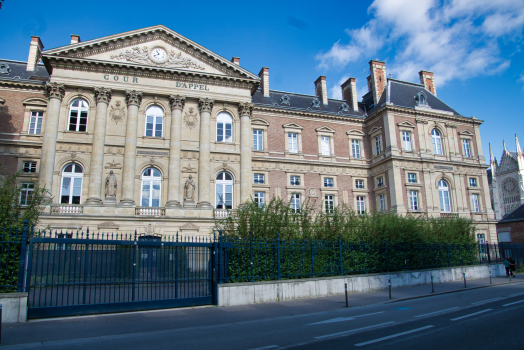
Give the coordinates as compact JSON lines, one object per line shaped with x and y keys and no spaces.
{"x":355,"y":132}
{"x":32,"y":101}
{"x":466,"y":133}
{"x":259,"y":121}
{"x":325,"y":129}
{"x":406,"y":124}
{"x":292,"y":126}
{"x":374,"y":130}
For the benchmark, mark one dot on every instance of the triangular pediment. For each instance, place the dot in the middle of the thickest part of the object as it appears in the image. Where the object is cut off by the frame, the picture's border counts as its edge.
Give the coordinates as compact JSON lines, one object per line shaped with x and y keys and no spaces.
{"x":466,"y":133}
{"x":325,"y":129}
{"x":374,"y":130}
{"x":292,"y":126}
{"x":406,"y":124}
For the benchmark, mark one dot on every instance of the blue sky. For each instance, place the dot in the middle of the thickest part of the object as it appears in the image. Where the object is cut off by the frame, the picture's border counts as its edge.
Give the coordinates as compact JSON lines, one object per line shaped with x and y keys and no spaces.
{"x":474,"y":47}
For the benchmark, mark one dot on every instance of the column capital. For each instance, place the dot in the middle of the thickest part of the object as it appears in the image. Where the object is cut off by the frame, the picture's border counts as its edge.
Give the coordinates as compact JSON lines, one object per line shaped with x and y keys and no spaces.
{"x":245,"y":109}
{"x":102,"y":94}
{"x":205,"y":105}
{"x":177,"y":101}
{"x":134,"y":97}
{"x":54,"y":90}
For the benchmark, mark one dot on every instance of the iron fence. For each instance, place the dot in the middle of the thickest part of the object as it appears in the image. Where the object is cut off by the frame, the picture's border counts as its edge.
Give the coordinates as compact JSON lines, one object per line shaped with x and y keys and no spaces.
{"x":12,"y":247}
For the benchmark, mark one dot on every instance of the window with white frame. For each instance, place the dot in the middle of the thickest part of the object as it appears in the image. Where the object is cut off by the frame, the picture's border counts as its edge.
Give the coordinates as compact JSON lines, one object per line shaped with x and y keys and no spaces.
{"x":472,"y":182}
{"x":378,"y":147}
{"x":71,"y":190}
{"x":224,"y":191}
{"x":26,"y":193}
{"x":328,"y":182}
{"x":151,"y":182}
{"x":412,"y":178}
{"x":326,"y":147}
{"x":380,"y":182}
{"x":475,"y":202}
{"x":292,"y":139}
{"x":35,"y":123}
{"x":258,"y":140}
{"x":29,"y":167}
{"x":154,"y":121}
{"x":443,"y":193}
{"x":224,"y":127}
{"x":259,"y":178}
{"x":361,"y":205}
{"x":466,"y":147}
{"x":355,"y":148}
{"x":359,"y":183}
{"x":382,"y":202}
{"x":260,"y":198}
{"x":78,"y":111}
{"x":329,"y":203}
{"x":413,"y":200}
{"x":294,"y":180}
{"x":406,"y":140}
{"x":437,"y":142}
{"x":295,"y":202}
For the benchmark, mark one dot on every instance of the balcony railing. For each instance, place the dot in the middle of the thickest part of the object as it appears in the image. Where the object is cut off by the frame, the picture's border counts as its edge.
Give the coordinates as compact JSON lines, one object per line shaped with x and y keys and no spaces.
{"x":65,"y":209}
{"x":449,"y":215}
{"x":150,"y":211}
{"x":223,"y":213}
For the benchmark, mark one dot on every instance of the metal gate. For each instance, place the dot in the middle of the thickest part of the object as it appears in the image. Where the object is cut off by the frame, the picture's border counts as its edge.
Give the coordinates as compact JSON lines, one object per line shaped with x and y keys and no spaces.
{"x":73,"y":274}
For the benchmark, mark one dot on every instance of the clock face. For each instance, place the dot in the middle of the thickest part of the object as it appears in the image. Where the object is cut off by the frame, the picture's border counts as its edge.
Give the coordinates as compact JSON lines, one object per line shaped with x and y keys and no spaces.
{"x":158,"y":54}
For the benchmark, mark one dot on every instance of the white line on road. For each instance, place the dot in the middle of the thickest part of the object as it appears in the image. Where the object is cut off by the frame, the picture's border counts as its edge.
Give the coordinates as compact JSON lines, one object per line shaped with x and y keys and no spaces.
{"x":394,"y":336}
{"x":516,"y":294}
{"x":374,"y":313}
{"x":355,"y":330}
{"x":438,"y":312}
{"x":486,"y":301}
{"x":266,"y":347}
{"x":516,"y":302}
{"x":473,"y":314}
{"x":341,"y":319}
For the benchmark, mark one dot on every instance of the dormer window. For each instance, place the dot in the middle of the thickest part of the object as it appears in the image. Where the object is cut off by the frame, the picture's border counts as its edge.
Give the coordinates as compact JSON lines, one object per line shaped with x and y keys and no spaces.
{"x":315,"y":103}
{"x":421,"y":99}
{"x":284,"y":100}
{"x":344,"y":107}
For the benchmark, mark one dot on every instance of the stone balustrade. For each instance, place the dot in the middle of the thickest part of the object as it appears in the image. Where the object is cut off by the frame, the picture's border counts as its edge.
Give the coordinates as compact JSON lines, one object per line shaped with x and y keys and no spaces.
{"x":150,"y":211}
{"x":66,"y":209}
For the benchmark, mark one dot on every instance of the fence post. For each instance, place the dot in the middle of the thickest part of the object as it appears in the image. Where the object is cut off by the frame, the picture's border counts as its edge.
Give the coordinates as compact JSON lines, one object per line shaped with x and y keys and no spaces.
{"x":312,"y":259}
{"x":215,"y":272}
{"x":449,"y":259}
{"x":387,"y":260}
{"x":85,"y":268}
{"x":251,"y":252}
{"x":134,"y":266}
{"x":177,"y":266}
{"x":340,"y":255}
{"x":487,"y":250}
{"x":23,"y":254}
{"x":278,"y":255}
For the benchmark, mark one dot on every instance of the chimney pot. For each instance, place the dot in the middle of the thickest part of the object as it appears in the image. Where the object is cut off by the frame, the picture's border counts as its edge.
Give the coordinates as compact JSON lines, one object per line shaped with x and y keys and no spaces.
{"x":236,"y":60}
{"x":321,"y":89}
{"x":35,"y":53}
{"x":264,"y":81}
{"x":426,"y":79}
{"x":349,"y":93}
{"x":378,"y":79}
{"x":75,"y":39}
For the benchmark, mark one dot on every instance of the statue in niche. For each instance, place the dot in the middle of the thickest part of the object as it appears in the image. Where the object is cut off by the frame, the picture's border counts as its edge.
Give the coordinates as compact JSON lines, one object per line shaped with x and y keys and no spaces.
{"x":189,"y":189}
{"x":111,"y":185}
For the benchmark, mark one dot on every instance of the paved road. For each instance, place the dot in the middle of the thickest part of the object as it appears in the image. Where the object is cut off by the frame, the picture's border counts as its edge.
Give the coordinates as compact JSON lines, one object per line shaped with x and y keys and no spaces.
{"x":483,"y":318}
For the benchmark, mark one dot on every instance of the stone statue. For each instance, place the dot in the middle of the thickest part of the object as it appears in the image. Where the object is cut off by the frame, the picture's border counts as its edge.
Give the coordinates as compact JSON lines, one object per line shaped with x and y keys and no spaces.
{"x":189,"y":189}
{"x":111,"y":185}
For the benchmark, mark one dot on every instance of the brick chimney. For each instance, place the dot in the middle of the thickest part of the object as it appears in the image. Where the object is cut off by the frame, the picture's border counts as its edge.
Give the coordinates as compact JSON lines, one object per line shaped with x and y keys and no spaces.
{"x":236,"y":60}
{"x":321,"y":89}
{"x":35,"y":53}
{"x":75,"y":39}
{"x":349,"y":93}
{"x":378,"y":78}
{"x":426,"y":79}
{"x":264,"y":80}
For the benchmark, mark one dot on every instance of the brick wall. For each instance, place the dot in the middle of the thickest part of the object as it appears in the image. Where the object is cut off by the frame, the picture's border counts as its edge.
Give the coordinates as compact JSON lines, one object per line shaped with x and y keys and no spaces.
{"x":12,"y":112}
{"x":517,"y":230}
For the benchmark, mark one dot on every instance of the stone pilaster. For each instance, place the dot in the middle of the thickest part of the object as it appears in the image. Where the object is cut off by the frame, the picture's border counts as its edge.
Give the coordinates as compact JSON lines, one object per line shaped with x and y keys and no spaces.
{"x":245,"y":110}
{"x":177,"y":105}
{"x":55,"y":92}
{"x":133,"y":100}
{"x":204,"y":171}
{"x":96,"y":169}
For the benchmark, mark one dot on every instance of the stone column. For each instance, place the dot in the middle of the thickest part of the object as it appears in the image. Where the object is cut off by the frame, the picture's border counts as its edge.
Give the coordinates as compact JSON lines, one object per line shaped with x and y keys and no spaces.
{"x":245,"y":110}
{"x":55,"y":93}
{"x":177,"y":105}
{"x":204,"y":171}
{"x":96,"y":169}
{"x":133,"y":100}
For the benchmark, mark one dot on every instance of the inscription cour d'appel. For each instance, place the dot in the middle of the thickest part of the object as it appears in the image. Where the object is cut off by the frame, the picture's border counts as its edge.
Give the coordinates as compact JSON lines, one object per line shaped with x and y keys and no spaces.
{"x":134,"y":80}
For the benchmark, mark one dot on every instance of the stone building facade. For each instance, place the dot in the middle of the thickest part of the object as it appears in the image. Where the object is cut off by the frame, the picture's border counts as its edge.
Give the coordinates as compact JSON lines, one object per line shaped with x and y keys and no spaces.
{"x":148,"y":130}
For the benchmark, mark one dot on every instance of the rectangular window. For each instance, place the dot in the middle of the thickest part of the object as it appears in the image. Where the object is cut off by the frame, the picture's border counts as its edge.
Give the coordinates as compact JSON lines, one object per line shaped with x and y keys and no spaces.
{"x":412,"y":178}
{"x":380,"y":182}
{"x":154,"y":126}
{"x":329,"y":203}
{"x":361,"y":205}
{"x":295,"y":202}
{"x":359,"y":183}
{"x":413,"y":200}
{"x":378,"y":148}
{"x":259,"y":178}
{"x":355,"y":148}
{"x":328,"y":182}
{"x":260,"y":198}
{"x":35,"y":124}
{"x":382,"y":202}
{"x":29,"y":167}
{"x":467,"y":150}
{"x":326,"y":149}
{"x":475,"y":202}
{"x":26,"y":193}
{"x":292,"y":139}
{"x":406,"y":140}
{"x":472,"y":182}
{"x":258,"y":143}
{"x":295,"y":180}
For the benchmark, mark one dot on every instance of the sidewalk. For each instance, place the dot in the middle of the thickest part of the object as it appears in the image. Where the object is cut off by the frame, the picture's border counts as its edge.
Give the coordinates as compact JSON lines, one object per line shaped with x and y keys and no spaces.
{"x":103,"y":325}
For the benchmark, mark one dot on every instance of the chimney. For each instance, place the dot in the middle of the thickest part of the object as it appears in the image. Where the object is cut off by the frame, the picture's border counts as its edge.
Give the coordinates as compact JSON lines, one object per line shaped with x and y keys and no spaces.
{"x":321,"y":89}
{"x":75,"y":39}
{"x":370,"y":86}
{"x":378,"y":78}
{"x":349,"y":93}
{"x":426,"y":79}
{"x":236,"y":60}
{"x":35,"y":53}
{"x":264,"y":80}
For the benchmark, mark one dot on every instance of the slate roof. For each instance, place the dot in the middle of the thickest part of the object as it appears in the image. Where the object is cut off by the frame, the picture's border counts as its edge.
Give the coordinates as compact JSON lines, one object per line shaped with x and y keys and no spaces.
{"x":515,"y":215}
{"x":18,"y":72}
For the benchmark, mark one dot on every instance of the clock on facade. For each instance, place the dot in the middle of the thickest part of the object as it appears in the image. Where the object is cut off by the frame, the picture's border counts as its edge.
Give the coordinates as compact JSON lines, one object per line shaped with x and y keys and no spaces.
{"x":158,"y":55}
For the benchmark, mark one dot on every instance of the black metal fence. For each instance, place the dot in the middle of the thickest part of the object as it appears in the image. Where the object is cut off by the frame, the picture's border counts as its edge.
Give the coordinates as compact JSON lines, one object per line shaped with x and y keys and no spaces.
{"x":12,"y":269}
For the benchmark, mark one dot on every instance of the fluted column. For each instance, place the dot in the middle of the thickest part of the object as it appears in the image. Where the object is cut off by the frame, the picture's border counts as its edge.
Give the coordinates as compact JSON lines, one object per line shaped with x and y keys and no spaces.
{"x":245,"y":110}
{"x":177,"y":105}
{"x":133,"y":100}
{"x":55,"y":93}
{"x":204,"y":171}
{"x":96,"y":169}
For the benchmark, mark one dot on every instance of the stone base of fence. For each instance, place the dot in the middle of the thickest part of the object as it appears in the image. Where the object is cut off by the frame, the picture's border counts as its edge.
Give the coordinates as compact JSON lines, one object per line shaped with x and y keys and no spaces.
{"x":231,"y":294}
{"x":14,"y":307}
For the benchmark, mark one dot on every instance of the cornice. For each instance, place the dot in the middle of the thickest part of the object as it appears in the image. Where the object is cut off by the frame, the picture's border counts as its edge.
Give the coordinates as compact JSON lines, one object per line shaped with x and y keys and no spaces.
{"x":306,"y":113}
{"x":37,"y":85}
{"x":429,"y":113}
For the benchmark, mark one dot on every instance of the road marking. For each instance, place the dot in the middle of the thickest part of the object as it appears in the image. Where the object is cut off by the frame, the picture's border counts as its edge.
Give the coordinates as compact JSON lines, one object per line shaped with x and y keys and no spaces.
{"x":516,"y":294}
{"x":516,"y":302}
{"x":266,"y":347}
{"x":438,"y":312}
{"x":394,"y":336}
{"x":354,"y":330}
{"x":341,"y":319}
{"x":486,"y":301}
{"x":473,"y":314}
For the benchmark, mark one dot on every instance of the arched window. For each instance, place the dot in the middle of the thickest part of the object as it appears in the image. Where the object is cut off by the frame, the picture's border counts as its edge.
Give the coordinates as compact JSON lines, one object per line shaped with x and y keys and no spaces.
{"x":437,"y":142}
{"x":443,"y":193}
{"x":71,"y":190}
{"x":78,"y":115}
{"x":421,"y":99}
{"x":154,"y":121}
{"x":224,"y":191}
{"x":151,"y":181}
{"x":224,"y":127}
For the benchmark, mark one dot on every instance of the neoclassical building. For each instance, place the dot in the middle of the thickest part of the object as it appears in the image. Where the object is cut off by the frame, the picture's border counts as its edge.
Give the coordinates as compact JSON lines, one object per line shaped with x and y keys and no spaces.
{"x":148,"y":130}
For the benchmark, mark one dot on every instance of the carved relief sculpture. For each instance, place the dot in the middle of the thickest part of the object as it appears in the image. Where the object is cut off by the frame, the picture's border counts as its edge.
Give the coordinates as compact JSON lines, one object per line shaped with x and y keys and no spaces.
{"x":191,"y":119}
{"x":245,"y":108}
{"x":54,"y":90}
{"x":189,"y":189}
{"x":117,"y":113}
{"x":133,"y":97}
{"x":102,"y":95}
{"x":111,"y":185}
{"x":205,"y":105}
{"x":177,"y":101}
{"x":171,"y":59}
